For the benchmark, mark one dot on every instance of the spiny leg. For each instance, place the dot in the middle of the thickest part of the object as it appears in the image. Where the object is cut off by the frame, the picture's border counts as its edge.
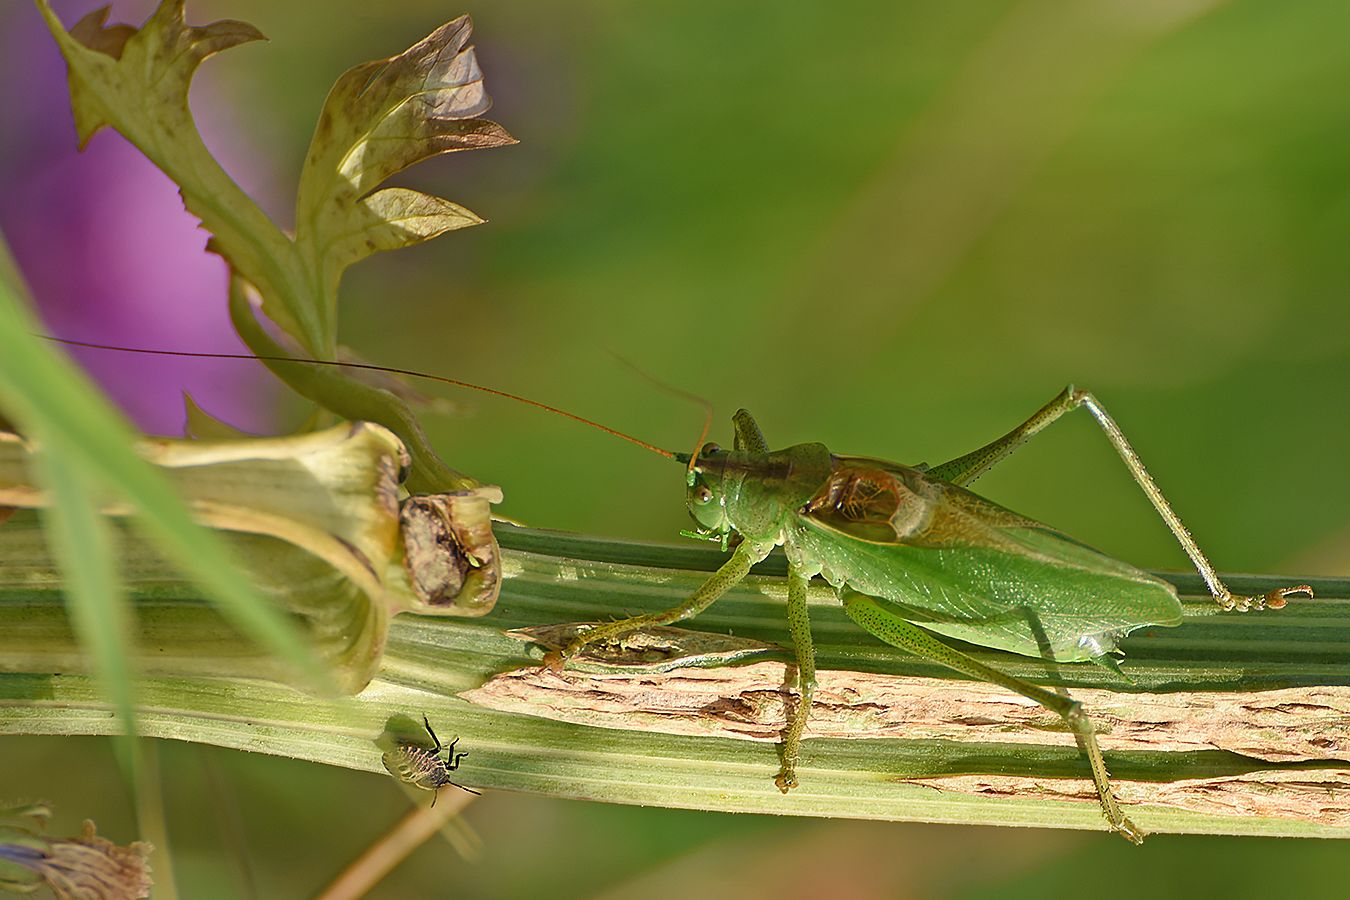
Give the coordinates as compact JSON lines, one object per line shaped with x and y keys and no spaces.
{"x":451,"y":757}
{"x":799,"y":623}
{"x":733,"y":570}
{"x":965,"y":469}
{"x":874,"y":619}
{"x":437,"y":740}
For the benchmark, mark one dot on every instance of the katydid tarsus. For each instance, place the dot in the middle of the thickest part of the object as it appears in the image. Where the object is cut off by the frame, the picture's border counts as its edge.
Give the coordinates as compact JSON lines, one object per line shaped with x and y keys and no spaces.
{"x":912,"y":554}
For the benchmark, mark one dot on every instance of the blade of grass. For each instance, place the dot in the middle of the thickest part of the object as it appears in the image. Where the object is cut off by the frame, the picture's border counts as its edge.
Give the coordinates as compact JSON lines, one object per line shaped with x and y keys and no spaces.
{"x":83,"y":543}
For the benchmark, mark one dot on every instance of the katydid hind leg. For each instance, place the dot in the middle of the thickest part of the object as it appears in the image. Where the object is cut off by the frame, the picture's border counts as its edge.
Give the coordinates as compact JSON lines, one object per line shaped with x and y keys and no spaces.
{"x":732,"y":571}
{"x":799,"y":623}
{"x":965,"y":469}
{"x":897,"y":632}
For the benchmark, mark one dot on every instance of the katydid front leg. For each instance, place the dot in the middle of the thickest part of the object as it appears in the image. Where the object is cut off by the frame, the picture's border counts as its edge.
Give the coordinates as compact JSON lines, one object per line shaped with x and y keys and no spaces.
{"x":965,"y":469}
{"x":733,"y":570}
{"x":880,"y":623}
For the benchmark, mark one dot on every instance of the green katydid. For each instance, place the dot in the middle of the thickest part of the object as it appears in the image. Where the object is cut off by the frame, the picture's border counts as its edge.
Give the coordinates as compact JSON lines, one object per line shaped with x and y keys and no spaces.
{"x":912,"y":554}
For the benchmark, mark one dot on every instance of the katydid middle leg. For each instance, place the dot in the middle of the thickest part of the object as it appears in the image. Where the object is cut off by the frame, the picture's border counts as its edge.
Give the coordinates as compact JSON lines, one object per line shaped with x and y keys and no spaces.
{"x":897,"y":632}
{"x":799,"y":623}
{"x":733,"y":570}
{"x":965,"y":469}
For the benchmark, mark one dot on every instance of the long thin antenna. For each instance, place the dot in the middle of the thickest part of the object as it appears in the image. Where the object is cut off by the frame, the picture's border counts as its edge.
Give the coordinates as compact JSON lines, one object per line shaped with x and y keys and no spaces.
{"x":685,"y":395}
{"x":393,"y":370}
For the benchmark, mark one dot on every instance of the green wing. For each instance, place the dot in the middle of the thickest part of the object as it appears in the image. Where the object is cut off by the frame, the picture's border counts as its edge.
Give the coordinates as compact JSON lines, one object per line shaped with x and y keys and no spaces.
{"x":957,"y":564}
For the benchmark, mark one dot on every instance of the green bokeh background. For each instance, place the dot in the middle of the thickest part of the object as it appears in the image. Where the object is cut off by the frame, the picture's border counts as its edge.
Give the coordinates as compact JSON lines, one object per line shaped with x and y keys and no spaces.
{"x":897,"y":228}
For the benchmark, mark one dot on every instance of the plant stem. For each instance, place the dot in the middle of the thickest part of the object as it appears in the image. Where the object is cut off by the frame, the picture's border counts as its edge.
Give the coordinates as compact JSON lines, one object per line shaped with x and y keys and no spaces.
{"x":384,"y":855}
{"x":1231,"y":724}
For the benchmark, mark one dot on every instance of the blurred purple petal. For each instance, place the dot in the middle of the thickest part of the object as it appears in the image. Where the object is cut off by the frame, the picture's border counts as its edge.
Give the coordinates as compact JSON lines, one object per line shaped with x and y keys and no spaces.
{"x":108,"y":250}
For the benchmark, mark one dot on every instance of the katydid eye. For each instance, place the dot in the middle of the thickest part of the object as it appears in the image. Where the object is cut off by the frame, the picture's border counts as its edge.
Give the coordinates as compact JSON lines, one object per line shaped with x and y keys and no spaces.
{"x":702,"y":494}
{"x":709,"y":449}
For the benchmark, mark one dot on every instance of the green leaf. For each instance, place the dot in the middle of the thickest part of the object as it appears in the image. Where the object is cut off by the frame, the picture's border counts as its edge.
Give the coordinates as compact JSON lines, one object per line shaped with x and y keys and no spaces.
{"x":155,"y":63}
{"x":137,"y":81}
{"x":380,"y":118}
{"x":385,"y":115}
{"x":389,"y":219}
{"x":203,"y":426}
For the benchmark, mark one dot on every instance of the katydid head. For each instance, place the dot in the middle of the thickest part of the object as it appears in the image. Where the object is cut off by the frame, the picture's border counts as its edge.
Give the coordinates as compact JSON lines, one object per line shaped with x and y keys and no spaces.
{"x":707,"y":494}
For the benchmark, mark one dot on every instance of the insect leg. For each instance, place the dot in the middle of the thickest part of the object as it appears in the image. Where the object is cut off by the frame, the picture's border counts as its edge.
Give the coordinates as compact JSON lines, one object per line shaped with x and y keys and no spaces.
{"x":732,"y":571}
{"x":451,"y":757}
{"x":965,"y":469}
{"x":799,"y":623}
{"x":899,"y":633}
{"x":433,"y":734}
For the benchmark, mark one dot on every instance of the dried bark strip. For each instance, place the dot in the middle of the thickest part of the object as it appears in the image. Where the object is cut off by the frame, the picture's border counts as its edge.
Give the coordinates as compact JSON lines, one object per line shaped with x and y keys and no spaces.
{"x":750,"y":702}
{"x":1321,"y":797}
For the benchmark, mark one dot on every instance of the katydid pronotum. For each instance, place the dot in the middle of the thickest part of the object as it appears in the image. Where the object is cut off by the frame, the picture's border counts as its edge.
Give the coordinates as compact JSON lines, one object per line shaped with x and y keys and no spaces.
{"x":912,"y":554}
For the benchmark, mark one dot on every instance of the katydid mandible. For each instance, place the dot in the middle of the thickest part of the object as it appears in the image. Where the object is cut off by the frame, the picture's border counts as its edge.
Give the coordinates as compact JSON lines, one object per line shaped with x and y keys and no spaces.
{"x":911,"y":553}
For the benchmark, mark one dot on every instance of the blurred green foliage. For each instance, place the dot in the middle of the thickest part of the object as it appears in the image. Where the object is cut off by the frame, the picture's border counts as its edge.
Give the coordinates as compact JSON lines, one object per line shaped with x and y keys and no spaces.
{"x":895,"y":228}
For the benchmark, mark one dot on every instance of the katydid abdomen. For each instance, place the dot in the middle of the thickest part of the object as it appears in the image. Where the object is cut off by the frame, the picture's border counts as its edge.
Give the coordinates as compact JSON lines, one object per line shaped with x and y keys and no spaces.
{"x":1056,"y":600}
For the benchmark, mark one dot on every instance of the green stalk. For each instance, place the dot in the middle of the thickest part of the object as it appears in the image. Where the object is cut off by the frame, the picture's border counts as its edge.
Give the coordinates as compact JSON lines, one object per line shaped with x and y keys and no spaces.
{"x":1232,"y":724}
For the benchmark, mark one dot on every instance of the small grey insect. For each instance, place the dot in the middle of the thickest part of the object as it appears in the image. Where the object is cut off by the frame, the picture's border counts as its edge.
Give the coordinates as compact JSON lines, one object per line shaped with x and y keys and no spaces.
{"x":421,"y":767}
